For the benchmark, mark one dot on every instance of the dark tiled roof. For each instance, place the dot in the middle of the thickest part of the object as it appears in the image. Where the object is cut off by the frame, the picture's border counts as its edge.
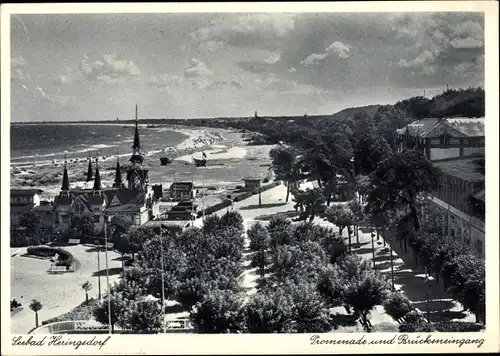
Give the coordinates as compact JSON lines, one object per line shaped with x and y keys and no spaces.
{"x":463,"y":168}
{"x":187,"y":186}
{"x":43,"y":208}
{"x":124,"y":207}
{"x":25,"y":191}
{"x":63,"y":199}
{"x":252,"y":179}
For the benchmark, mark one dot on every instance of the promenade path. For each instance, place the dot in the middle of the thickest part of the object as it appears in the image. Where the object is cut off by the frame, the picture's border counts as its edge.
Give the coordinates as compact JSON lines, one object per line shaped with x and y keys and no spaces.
{"x":408,"y":278}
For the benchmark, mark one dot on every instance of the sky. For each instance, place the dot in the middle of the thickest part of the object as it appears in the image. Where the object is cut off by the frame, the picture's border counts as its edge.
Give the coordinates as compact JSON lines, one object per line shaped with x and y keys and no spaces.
{"x":98,"y":66}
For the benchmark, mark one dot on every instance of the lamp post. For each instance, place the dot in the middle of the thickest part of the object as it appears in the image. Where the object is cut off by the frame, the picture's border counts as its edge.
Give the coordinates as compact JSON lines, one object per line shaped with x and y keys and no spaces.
{"x":99,"y":268}
{"x":372,"y":235}
{"x":107,"y":271}
{"x":162,"y":280}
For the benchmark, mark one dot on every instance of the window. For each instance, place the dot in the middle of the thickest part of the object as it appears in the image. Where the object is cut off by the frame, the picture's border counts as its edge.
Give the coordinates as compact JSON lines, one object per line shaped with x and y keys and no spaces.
{"x":479,"y":246}
{"x":79,"y":208}
{"x":64,"y":219}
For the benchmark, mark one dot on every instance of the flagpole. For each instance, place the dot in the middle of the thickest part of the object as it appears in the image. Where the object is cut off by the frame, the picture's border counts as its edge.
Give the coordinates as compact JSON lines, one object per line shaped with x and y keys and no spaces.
{"x":203,"y":193}
{"x":192,"y":198}
{"x":162,"y":280}
{"x":107,"y":272}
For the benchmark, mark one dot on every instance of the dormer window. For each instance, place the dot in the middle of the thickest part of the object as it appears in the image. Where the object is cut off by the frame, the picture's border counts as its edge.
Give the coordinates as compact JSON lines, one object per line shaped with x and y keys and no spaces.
{"x":79,"y":208}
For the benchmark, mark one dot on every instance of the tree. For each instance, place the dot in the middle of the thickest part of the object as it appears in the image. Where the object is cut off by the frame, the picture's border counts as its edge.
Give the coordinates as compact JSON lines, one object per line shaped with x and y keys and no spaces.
{"x":137,"y":236}
{"x":219,"y":312}
{"x":358,"y":214}
{"x":174,"y":266}
{"x":118,"y":307}
{"x":362,"y":186}
{"x":279,"y":229}
{"x":312,"y":201}
{"x":285,"y":166}
{"x":36,"y":306}
{"x":342,"y":216}
{"x":331,"y":285}
{"x":400,"y":179}
{"x":310,"y":312}
{"x":270,"y":311}
{"x":83,"y":225}
{"x":118,"y":227}
{"x":232,"y":219}
{"x":364,"y":292}
{"x":369,"y":150}
{"x":397,"y":306}
{"x":33,"y":224}
{"x":467,"y":282}
{"x":297,"y":262}
{"x":143,"y":316}
{"x":259,"y":242}
{"x":87,"y":286}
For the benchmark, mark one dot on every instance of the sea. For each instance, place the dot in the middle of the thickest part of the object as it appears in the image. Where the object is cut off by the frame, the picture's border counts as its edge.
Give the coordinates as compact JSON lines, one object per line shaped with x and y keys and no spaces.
{"x":39,"y":150}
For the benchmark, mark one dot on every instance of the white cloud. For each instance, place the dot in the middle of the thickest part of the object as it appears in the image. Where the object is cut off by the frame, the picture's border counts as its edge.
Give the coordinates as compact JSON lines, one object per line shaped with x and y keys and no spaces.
{"x":339,"y":48}
{"x":242,"y":30}
{"x":164,"y":80}
{"x":109,"y":69}
{"x":313,"y":59}
{"x":424,"y":58}
{"x":197,"y":69}
{"x":273,"y":58}
{"x":292,"y":70}
{"x":211,"y":45}
{"x":468,"y":42}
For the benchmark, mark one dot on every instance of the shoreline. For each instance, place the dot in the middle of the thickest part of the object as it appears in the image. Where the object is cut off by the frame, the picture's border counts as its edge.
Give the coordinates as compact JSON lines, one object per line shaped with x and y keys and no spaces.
{"x":220,"y":146}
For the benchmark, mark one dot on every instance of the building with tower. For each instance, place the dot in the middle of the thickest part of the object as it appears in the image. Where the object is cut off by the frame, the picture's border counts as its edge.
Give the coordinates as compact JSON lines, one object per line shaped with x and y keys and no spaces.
{"x":134,"y":200}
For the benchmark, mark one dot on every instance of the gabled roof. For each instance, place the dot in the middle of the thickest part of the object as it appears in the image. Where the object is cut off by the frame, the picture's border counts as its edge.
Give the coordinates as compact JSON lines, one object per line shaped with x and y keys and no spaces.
{"x":435,"y":127}
{"x":63,"y":199}
{"x":470,"y":127}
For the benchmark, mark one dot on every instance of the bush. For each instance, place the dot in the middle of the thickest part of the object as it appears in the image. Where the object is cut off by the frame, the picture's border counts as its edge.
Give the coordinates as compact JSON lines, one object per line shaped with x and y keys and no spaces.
{"x":458,"y":326}
{"x":417,"y":325}
{"x":82,"y":312}
{"x":397,"y":306}
{"x":65,"y":258}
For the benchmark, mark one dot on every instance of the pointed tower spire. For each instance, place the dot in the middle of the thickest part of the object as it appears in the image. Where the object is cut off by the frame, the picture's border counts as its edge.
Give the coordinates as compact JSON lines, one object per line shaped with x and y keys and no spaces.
{"x":97,"y":179}
{"x":65,"y":182}
{"x":118,"y":174}
{"x":137,"y":143}
{"x":89,"y":170}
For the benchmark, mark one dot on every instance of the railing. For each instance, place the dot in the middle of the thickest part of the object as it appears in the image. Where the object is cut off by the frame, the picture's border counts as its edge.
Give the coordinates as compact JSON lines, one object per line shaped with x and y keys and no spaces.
{"x":183,"y":324}
{"x":72,"y":326}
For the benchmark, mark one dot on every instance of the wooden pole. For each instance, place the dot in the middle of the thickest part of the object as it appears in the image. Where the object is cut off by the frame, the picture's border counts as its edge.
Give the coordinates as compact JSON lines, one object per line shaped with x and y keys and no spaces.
{"x":162,"y":280}
{"x":107,"y":272}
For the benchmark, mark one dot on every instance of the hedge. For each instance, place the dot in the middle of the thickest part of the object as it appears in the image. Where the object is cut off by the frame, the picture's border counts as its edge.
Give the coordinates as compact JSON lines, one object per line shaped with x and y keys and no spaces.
{"x":65,"y":258}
